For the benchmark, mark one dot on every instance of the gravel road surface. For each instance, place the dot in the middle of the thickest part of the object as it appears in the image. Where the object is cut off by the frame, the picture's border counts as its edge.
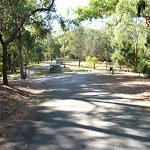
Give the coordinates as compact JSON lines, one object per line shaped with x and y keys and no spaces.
{"x":74,"y":113}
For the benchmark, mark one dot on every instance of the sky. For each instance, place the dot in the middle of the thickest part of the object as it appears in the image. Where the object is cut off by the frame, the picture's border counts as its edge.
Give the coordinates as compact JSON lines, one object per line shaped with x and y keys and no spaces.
{"x":63,"y":5}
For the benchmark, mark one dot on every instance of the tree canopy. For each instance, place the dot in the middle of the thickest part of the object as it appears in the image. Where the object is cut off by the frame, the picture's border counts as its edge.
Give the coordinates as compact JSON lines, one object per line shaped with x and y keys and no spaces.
{"x":13,"y":15}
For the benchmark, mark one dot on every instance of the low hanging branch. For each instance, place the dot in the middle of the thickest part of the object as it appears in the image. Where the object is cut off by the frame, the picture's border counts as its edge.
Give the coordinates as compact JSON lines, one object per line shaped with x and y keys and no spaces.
{"x":27,"y":17}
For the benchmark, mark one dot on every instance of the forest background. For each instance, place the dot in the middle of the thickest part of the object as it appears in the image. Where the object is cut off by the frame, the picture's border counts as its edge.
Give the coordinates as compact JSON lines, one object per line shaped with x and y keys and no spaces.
{"x":27,"y":35}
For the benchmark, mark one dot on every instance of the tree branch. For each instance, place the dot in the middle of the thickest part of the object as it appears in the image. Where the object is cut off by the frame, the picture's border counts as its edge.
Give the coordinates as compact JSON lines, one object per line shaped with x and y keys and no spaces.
{"x":27,"y":17}
{"x":117,"y":22}
{"x":147,"y":18}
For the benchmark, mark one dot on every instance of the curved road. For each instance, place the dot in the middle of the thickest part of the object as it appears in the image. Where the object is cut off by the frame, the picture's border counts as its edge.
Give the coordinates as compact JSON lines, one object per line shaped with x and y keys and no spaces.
{"x":76,"y":114}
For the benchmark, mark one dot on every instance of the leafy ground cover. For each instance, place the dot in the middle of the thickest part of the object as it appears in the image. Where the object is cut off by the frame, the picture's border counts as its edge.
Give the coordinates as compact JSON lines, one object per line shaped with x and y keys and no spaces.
{"x":15,"y":102}
{"x":127,"y":83}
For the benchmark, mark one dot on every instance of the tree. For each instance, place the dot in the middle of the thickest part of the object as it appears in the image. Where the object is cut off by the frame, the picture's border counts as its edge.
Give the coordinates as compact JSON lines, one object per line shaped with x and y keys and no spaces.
{"x":124,"y":54}
{"x":13,"y":15}
{"x":76,"y":42}
{"x":97,"y":43}
{"x":39,"y":48}
{"x":51,"y":46}
{"x":96,"y":9}
{"x":91,"y":61}
{"x":92,"y":39}
{"x":132,"y":47}
{"x":28,"y":45}
{"x":113,"y":10}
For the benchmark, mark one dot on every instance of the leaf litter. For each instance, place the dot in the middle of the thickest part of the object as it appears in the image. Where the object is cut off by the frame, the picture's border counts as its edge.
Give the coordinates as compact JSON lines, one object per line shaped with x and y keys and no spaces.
{"x":126,"y":83}
{"x":15,"y":102}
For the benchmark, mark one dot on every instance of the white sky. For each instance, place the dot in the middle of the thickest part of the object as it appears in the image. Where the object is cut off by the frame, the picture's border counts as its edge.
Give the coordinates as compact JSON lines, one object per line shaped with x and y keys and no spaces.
{"x":63,"y":5}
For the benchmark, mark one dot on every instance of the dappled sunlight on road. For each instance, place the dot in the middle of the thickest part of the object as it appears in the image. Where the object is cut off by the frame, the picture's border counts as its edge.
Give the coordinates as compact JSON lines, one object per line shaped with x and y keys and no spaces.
{"x":76,"y":114}
{"x":90,"y":115}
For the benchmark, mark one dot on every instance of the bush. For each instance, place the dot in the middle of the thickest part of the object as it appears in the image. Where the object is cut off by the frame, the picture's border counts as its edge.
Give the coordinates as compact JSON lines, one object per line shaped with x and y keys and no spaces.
{"x":91,"y":61}
{"x":145,"y":67}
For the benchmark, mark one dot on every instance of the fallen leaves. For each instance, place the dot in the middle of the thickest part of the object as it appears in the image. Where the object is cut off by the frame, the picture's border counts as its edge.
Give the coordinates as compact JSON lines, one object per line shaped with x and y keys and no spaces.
{"x":126,"y":83}
{"x":14,"y":104}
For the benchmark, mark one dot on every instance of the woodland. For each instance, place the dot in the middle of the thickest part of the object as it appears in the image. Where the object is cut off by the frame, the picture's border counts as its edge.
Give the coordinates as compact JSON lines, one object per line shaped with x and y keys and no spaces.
{"x":26,"y":34}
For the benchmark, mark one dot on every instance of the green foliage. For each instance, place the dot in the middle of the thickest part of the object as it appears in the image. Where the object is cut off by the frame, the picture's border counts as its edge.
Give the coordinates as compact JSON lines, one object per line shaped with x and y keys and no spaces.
{"x":28,"y":45}
{"x":94,"y":61}
{"x":91,"y":61}
{"x":130,"y":38}
{"x":124,"y":54}
{"x":84,"y":42}
{"x":148,"y":39}
{"x":47,"y":56}
{"x":38,"y":52}
{"x":141,"y":6}
{"x":64,"y":24}
{"x":88,"y":60}
{"x":69,"y":55}
{"x":76,"y":42}
{"x":144,"y":66}
{"x":53,"y":46}
{"x":96,"y":9}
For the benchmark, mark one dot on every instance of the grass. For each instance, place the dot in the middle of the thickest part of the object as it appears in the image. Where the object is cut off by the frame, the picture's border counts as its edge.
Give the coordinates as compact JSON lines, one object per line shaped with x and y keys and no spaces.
{"x":42,"y":70}
{"x":35,"y":64}
{"x":9,"y":73}
{"x":73,"y":66}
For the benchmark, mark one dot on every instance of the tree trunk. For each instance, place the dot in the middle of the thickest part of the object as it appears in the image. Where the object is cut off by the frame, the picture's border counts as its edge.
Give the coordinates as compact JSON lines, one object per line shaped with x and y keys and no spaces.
{"x":136,"y":51}
{"x":106,"y":64}
{"x":21,"y":57}
{"x":106,"y":59}
{"x":79,"y":61}
{"x":9,"y":61}
{"x":5,"y":80}
{"x":13,"y":64}
{"x":94,"y":65}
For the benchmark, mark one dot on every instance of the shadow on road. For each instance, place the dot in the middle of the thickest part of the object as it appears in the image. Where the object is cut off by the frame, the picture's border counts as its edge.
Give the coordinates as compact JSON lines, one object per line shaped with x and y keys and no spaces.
{"x":76,"y":114}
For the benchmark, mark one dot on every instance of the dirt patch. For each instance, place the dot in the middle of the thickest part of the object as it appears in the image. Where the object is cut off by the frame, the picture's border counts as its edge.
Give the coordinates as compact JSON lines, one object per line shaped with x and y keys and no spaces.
{"x":15,"y":102}
{"x":126,"y":83}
